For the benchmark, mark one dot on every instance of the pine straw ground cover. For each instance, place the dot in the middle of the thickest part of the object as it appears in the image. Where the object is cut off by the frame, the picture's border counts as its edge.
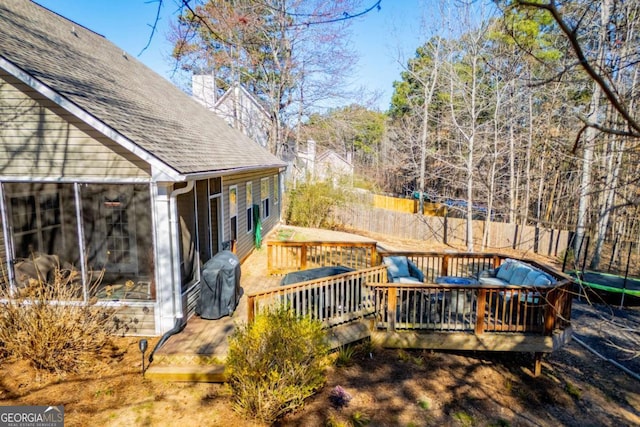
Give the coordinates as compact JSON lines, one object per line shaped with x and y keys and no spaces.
{"x":384,"y":388}
{"x":387,"y":388}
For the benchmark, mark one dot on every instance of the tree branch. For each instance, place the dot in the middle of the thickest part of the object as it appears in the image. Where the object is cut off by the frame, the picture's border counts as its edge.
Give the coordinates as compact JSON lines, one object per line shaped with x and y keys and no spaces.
{"x":586,"y":65}
{"x":154,"y":27}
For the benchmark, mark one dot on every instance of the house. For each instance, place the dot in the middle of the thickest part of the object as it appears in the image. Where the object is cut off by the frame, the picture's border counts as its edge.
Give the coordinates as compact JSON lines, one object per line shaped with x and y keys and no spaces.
{"x":331,"y":166}
{"x":239,"y":108}
{"x":323,"y":167}
{"x":109,"y":169}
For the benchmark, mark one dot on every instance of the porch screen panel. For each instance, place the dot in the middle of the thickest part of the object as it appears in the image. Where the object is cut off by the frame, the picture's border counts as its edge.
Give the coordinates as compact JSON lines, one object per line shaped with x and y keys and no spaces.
{"x":187,"y":215}
{"x":43,"y":225}
{"x":118,"y":240}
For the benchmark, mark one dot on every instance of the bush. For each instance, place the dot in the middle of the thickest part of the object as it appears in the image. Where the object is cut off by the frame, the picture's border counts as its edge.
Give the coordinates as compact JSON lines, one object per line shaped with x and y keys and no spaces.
{"x":276,"y":362}
{"x":311,"y":204}
{"x":49,"y":327}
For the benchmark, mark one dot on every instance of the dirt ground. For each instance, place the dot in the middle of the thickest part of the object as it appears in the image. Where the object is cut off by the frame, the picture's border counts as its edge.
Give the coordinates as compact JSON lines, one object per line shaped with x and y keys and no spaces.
{"x":387,"y":387}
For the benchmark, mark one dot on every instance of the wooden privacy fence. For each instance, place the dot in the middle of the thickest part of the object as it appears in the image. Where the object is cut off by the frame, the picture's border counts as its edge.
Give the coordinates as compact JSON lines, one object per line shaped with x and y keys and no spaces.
{"x":395,"y":204}
{"x":452,"y":231}
{"x":284,"y":257}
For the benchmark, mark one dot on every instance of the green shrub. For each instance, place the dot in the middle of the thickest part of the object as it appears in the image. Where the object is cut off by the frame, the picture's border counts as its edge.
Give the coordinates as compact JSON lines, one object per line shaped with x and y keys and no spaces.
{"x":360,"y":419}
{"x":311,"y":204}
{"x":464,"y":418}
{"x":48,"y":326}
{"x":275,"y":362}
{"x":345,"y":355}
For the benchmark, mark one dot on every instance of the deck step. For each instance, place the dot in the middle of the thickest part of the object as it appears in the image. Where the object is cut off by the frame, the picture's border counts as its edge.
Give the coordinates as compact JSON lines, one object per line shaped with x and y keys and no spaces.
{"x":189,"y":373}
{"x":182,"y":359}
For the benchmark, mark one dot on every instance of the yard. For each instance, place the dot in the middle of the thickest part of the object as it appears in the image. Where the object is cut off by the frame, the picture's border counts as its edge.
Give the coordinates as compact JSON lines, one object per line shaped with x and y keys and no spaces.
{"x":387,"y":387}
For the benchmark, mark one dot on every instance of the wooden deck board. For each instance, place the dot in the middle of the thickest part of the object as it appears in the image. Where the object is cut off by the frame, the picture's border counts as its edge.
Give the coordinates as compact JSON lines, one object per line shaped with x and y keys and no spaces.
{"x":203,"y":338}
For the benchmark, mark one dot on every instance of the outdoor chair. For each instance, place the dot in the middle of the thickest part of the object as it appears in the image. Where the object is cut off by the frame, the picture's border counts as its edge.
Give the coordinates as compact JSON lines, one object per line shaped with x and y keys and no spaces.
{"x":400,"y":269}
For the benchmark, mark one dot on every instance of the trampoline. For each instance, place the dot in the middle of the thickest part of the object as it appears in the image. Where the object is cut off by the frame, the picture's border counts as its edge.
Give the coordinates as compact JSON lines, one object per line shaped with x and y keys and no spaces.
{"x":611,"y":287}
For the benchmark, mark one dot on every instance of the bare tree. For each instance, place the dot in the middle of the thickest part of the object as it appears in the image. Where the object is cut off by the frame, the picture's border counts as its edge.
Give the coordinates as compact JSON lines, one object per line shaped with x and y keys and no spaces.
{"x":291,"y":54}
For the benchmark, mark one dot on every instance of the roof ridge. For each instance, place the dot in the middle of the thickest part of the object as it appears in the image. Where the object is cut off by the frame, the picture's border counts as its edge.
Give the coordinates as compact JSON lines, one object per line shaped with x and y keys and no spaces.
{"x":67,"y":19}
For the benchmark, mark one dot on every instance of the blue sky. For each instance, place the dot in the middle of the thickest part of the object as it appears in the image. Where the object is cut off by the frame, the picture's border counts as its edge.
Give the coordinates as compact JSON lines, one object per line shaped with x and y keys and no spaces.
{"x":383,"y":39}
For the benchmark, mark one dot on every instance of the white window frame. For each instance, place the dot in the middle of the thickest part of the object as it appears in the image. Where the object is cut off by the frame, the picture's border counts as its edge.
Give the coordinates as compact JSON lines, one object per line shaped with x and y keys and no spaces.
{"x":249,"y":208}
{"x":233,"y":211}
{"x":276,"y":190}
{"x":264,"y":197}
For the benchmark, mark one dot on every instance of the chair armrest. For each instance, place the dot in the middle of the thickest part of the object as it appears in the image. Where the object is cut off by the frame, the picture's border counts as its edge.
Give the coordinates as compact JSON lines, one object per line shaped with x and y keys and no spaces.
{"x":415,"y":271}
{"x":487,"y":273}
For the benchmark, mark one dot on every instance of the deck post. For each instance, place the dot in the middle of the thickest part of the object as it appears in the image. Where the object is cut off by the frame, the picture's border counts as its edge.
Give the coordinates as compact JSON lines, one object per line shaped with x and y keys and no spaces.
{"x":270,"y":251}
{"x":251,"y":299}
{"x":392,"y":302}
{"x":374,"y":256}
{"x":537,"y":364}
{"x":480,"y":309}
{"x":303,"y":257}
{"x":444,"y":271}
{"x":550,"y":312}
{"x":496,"y":261}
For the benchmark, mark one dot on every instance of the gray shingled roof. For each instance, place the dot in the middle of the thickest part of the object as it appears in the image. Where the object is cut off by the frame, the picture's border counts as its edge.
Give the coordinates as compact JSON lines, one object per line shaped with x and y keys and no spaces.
{"x":120,"y":91}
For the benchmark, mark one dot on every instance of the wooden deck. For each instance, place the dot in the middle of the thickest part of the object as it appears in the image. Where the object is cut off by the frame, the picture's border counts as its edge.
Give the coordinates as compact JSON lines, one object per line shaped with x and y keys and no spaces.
{"x":361,"y":304}
{"x":198,"y":352}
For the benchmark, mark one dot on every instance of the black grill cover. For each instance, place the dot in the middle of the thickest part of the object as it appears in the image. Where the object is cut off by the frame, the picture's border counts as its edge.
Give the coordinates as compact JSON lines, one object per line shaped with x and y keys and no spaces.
{"x":220,"y":287}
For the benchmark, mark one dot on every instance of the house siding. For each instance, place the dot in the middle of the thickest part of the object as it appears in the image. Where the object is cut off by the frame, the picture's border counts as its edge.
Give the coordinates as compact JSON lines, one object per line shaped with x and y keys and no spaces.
{"x":42,"y":140}
{"x":245,"y":243}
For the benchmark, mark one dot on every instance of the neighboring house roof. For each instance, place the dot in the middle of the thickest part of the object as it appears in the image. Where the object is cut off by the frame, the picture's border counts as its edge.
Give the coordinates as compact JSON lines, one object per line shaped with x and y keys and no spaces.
{"x":245,"y":112}
{"x":332,"y":156}
{"x":91,"y":77}
{"x":244,"y":93}
{"x":331,"y":165}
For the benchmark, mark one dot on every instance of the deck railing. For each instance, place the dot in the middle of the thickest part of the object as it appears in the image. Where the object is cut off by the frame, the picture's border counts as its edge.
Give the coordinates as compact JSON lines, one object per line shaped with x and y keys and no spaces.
{"x":332,"y":300}
{"x":424,"y":307}
{"x":284,"y":257}
{"x":434,"y":264}
{"x":477,"y":309}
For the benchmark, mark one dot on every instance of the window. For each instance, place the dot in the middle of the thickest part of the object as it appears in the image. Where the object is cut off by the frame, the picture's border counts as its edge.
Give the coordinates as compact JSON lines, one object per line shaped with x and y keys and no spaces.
{"x":264,"y":197}
{"x":36,"y":221}
{"x":233,"y":211}
{"x":249,"y":205}
{"x":118,"y":241}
